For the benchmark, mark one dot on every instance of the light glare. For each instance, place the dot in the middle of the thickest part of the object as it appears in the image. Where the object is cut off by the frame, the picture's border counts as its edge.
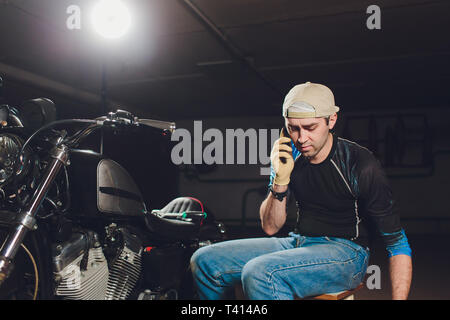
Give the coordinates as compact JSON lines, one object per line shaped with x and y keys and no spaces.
{"x":111,"y":18}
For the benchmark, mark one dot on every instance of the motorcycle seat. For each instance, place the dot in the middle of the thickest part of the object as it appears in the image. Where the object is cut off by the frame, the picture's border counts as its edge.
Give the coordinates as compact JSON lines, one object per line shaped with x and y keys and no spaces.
{"x":175,"y":229}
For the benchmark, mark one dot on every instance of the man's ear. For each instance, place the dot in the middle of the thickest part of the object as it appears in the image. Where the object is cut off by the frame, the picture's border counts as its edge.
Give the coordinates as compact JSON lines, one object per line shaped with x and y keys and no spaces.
{"x":332,"y":121}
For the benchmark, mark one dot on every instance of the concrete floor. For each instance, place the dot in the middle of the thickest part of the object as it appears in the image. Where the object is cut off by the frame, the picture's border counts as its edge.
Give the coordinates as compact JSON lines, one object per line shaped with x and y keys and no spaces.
{"x":431,"y":266}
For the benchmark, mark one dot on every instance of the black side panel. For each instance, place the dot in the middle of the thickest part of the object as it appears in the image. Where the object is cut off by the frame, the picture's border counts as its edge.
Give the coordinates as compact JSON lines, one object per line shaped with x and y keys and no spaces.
{"x":100,"y":187}
{"x":116,"y":191}
{"x":83,"y":182}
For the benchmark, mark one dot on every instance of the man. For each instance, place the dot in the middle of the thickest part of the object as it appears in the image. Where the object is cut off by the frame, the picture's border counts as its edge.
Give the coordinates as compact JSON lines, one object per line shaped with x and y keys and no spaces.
{"x":337,"y":185}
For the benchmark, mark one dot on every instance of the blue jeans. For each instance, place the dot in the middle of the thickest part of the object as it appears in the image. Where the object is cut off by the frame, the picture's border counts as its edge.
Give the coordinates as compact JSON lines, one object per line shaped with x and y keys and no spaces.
{"x":278,"y":268}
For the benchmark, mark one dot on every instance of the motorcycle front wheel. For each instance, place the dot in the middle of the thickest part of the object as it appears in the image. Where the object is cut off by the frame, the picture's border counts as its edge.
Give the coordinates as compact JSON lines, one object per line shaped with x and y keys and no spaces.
{"x":23,"y":282}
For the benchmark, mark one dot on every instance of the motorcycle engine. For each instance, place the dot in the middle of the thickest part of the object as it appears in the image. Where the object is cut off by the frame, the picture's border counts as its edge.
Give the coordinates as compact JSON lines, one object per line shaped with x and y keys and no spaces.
{"x":125,"y":249}
{"x":82,"y":272}
{"x":80,"y":268}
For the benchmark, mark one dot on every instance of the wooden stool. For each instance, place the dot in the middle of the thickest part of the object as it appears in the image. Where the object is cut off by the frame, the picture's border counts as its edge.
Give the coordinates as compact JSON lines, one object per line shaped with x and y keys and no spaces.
{"x":343,"y":295}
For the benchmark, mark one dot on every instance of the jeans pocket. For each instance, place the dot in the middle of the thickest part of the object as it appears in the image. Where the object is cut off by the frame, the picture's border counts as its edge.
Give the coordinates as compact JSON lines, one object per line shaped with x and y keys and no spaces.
{"x":347,"y":243}
{"x":361,"y":273}
{"x":356,"y":279}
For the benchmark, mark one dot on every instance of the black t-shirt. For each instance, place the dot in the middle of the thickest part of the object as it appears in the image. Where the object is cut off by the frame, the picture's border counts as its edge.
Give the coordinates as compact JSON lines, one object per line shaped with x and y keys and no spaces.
{"x":326,"y":205}
{"x":347,"y":196}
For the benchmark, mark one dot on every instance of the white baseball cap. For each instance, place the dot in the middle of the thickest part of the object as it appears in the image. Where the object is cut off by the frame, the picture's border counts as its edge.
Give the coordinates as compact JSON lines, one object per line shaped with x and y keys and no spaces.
{"x":309,"y":100}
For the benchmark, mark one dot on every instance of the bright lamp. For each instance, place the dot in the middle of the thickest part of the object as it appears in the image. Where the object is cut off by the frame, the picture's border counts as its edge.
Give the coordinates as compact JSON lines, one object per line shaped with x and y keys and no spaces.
{"x":111,"y":18}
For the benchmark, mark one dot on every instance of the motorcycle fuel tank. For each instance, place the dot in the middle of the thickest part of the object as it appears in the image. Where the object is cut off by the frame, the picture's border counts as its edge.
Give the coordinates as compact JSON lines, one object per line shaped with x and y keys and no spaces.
{"x":101,"y":187}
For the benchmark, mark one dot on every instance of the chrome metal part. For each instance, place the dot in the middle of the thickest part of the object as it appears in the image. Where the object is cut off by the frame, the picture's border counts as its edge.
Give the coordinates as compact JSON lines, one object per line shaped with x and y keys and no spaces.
{"x":126,"y":269}
{"x":14,"y":239}
{"x":80,"y":268}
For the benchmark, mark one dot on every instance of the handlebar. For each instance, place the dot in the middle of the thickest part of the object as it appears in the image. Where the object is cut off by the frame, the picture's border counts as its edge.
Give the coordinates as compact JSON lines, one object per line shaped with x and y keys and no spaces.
{"x":26,"y":219}
{"x":118,"y":119}
{"x":122,"y":117}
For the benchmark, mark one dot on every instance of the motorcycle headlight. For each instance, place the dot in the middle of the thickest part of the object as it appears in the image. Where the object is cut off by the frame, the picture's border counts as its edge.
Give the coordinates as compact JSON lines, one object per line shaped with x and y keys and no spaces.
{"x":10,"y":166}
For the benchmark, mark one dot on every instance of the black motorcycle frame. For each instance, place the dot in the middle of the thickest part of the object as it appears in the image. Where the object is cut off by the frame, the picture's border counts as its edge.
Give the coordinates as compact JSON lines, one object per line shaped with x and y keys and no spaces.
{"x":24,"y":221}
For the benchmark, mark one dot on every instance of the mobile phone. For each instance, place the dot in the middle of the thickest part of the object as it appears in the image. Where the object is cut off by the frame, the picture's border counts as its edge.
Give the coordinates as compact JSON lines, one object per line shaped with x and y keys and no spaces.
{"x":284,"y":133}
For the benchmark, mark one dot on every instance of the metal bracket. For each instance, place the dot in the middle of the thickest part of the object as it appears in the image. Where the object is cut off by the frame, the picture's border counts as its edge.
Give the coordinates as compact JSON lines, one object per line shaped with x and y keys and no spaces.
{"x":61,"y":153}
{"x":27,"y":221}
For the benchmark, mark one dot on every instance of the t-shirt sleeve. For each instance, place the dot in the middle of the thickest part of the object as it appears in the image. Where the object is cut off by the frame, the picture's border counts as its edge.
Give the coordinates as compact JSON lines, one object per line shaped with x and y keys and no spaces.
{"x":376,"y":199}
{"x":272,"y":176}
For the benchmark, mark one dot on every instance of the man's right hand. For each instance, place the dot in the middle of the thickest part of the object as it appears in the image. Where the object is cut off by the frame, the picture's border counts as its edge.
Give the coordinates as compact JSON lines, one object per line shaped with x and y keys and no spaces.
{"x":282,"y":160}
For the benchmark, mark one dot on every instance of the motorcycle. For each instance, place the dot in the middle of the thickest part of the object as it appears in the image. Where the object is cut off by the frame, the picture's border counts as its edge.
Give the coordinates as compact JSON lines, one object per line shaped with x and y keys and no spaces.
{"x":74,"y":224}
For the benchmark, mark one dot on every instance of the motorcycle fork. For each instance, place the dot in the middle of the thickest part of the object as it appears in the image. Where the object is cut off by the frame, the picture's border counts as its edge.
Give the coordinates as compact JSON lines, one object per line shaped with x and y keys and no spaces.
{"x":25,"y":220}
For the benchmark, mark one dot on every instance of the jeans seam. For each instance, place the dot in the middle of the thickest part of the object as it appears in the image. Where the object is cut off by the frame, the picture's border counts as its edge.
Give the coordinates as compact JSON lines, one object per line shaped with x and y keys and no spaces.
{"x":352,"y":280}
{"x":218,"y":276}
{"x":270,"y":277}
{"x":359,"y":250}
{"x":347,"y":245}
